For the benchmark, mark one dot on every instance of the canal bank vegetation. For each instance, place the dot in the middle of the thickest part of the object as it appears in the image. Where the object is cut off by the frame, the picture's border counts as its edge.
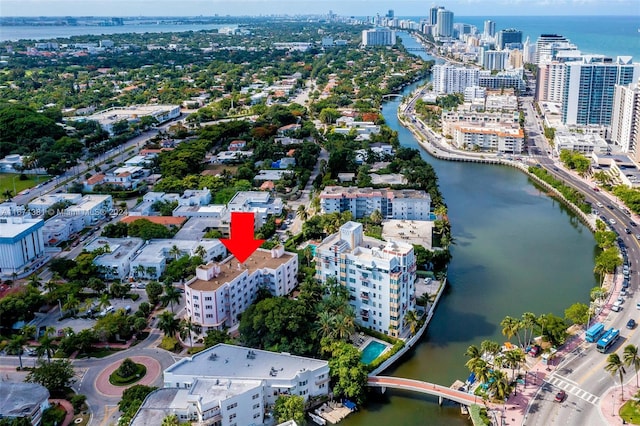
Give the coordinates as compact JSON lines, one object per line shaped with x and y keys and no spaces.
{"x":575,"y":161}
{"x":572,"y":195}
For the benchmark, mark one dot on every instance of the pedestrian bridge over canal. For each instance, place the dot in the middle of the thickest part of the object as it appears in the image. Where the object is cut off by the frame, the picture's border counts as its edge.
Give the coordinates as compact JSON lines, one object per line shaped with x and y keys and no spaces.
{"x":442,"y":392}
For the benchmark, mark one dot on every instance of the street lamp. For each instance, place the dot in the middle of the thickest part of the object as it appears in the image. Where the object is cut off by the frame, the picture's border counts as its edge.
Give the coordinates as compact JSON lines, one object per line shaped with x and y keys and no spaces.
{"x":13,"y":180}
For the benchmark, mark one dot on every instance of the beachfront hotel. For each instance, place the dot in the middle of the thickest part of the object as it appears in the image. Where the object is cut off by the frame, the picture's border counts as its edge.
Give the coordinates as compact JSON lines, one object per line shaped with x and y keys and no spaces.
{"x":379,"y":276}
{"x":221,"y":291}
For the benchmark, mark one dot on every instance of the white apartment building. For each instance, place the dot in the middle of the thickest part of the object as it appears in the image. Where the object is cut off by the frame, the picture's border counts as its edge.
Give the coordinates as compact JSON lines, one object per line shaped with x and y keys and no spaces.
{"x":625,"y":122}
{"x":550,"y":81}
{"x":279,"y":373}
{"x":41,"y":204}
{"x":489,"y":137}
{"x":495,"y":59}
{"x":60,"y":228}
{"x":448,"y":78}
{"x":221,"y":291}
{"x":262,"y":203}
{"x":21,"y":245}
{"x":378,"y":37}
{"x":150,"y":260}
{"x":407,"y":204}
{"x":549,"y":45}
{"x":589,"y":85}
{"x":91,"y":208}
{"x":228,"y":385}
{"x":586,"y":144}
{"x":195,"y":197}
{"x":380,"y":276}
{"x":452,"y":118}
{"x":115,"y":263}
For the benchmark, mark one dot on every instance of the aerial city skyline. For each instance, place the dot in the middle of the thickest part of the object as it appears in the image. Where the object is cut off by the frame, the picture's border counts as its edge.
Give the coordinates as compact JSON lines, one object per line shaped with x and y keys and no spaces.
{"x":352,"y":7}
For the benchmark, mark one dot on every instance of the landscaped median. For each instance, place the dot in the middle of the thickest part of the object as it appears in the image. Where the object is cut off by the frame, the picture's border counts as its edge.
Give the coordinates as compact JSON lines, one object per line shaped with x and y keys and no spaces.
{"x":129,"y":372}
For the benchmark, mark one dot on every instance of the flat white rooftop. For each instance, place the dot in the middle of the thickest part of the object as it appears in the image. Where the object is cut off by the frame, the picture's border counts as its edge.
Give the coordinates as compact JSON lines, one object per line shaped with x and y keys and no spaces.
{"x":236,"y":362}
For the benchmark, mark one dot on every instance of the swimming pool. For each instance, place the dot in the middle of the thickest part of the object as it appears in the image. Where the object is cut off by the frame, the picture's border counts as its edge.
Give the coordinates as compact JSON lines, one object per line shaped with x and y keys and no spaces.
{"x":372,"y":351}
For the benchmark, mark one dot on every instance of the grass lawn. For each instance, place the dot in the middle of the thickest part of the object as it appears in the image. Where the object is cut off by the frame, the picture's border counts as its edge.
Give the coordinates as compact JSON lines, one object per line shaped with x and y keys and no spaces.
{"x":7,"y":180}
{"x":630,"y":412}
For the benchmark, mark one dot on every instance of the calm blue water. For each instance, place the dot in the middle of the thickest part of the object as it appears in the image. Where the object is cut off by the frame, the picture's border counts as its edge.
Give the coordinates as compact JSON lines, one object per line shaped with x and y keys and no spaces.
{"x":607,"y":35}
{"x":12,"y":33}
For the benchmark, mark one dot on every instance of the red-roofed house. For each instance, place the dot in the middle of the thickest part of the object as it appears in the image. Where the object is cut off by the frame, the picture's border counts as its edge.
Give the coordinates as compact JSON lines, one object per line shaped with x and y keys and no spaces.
{"x":237,"y":145}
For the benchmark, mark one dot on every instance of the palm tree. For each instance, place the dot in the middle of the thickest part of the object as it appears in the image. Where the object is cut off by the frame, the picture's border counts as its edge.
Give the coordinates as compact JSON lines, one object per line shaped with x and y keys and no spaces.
{"x":344,"y":324}
{"x":473,"y":352}
{"x":186,"y":327}
{"x":171,"y":420}
{"x":490,"y":347}
{"x":15,"y":345}
{"x":511,"y":327}
{"x":34,"y":280}
{"x":631,"y":357}
{"x":514,"y":359}
{"x":326,"y":325}
{"x":481,"y":369}
{"x":71,"y":304}
{"x":308,"y":253}
{"x":171,"y":295}
{"x":376,"y":217}
{"x":301,"y":212}
{"x":103,"y":301}
{"x":175,"y":251}
{"x":7,"y":194}
{"x":200,"y":251}
{"x":139,"y":271}
{"x":616,"y":366}
{"x":528,"y":323}
{"x":411,"y":319}
{"x":542,"y":322}
{"x":499,"y":386}
{"x":29,"y":331}
{"x":440,"y":211}
{"x":168,"y":323}
{"x":601,"y":269}
{"x":46,"y":343}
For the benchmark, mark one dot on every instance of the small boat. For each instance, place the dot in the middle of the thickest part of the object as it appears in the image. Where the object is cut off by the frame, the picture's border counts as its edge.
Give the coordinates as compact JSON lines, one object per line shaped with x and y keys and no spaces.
{"x":317,"y":419}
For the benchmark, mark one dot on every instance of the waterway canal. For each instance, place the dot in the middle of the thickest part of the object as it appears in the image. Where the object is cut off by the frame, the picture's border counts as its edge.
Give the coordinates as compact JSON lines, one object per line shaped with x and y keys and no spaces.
{"x":516,"y":250}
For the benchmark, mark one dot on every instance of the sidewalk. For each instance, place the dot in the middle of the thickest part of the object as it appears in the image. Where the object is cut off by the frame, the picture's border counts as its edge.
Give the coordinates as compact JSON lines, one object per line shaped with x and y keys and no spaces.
{"x":612,"y":401}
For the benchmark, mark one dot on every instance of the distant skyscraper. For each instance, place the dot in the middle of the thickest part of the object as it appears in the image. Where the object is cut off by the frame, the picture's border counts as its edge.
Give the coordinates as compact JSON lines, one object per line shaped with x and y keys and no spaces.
{"x":390,"y":14}
{"x":433,"y":14}
{"x":587,"y":95}
{"x":444,"y":23}
{"x":495,"y":60}
{"x":509,"y":38}
{"x":489,"y":28}
{"x":528,"y":52}
{"x":378,"y":37}
{"x":625,"y":123}
{"x":548,"y":45}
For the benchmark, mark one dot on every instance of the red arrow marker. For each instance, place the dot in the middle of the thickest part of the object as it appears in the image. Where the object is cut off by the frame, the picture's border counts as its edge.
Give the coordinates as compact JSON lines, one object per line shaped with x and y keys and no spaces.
{"x":242,"y":243}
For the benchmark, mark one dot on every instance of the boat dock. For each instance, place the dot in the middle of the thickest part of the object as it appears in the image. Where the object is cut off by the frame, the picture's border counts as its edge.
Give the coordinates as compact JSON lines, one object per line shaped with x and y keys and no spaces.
{"x":332,"y":412}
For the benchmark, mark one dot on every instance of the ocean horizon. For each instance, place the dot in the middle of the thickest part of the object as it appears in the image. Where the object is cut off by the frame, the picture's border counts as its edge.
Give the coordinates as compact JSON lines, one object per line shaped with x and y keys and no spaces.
{"x":608,"y":35}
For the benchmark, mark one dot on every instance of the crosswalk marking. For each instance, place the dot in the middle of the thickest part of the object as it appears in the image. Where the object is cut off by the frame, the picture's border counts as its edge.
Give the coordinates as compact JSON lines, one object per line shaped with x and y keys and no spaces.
{"x":568,"y":386}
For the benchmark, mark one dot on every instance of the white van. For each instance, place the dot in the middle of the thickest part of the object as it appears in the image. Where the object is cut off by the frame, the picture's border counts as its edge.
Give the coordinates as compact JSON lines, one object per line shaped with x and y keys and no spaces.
{"x":617,"y":307}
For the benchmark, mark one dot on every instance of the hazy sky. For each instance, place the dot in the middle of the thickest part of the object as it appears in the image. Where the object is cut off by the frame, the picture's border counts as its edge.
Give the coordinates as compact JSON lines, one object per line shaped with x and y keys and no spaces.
{"x":344,"y":7}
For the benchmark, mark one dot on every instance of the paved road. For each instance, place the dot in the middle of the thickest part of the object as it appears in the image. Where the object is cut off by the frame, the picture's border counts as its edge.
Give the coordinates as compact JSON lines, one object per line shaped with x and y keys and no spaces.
{"x":88,"y":370}
{"x":591,"y":399}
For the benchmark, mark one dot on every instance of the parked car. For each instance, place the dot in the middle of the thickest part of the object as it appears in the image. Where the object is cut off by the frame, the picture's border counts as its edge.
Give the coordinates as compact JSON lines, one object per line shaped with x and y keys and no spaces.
{"x":535,"y":350}
{"x":560,"y":396}
{"x":631,"y":324}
